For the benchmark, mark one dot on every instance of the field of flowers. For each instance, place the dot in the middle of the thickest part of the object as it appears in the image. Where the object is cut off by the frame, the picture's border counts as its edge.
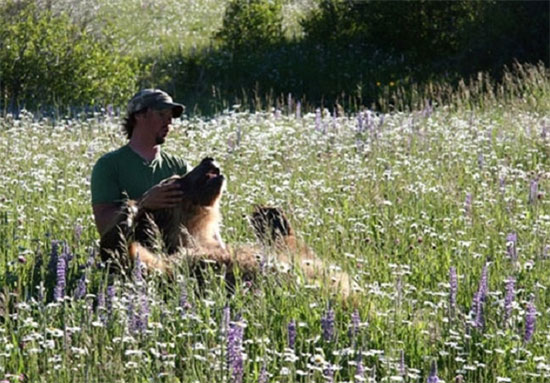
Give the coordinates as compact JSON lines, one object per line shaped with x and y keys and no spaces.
{"x":441,"y":216}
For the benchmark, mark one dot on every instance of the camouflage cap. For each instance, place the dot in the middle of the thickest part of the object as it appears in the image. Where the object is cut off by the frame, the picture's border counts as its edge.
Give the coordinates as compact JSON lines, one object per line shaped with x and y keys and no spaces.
{"x":154,"y":99}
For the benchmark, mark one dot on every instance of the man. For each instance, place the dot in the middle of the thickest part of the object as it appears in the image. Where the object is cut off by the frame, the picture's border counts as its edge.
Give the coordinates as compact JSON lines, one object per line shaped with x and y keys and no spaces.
{"x":134,"y":170}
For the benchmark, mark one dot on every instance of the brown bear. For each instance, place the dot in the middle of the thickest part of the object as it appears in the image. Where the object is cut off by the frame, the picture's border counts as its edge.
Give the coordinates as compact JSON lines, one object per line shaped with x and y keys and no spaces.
{"x":191,"y":233}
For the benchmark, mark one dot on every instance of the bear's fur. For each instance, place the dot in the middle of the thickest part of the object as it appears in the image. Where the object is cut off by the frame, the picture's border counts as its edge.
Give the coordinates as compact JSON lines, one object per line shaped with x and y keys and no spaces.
{"x":191,"y":233}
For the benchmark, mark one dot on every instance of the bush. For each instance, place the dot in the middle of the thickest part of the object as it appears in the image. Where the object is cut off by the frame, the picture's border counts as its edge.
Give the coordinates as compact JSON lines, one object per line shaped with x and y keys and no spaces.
{"x":48,"y":62}
{"x":251,"y":25}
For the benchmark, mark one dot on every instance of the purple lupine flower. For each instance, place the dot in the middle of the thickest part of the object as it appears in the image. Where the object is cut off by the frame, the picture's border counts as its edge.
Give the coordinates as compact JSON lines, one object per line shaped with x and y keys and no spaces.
{"x":234,"y":352}
{"x":111,"y":293}
{"x":327,"y":324}
{"x":226,"y":318}
{"x":328,"y":374}
{"x":100,"y":309}
{"x":544,"y":132}
{"x":479,"y":299}
{"x":138,"y":270}
{"x":318,"y":119}
{"x":144,"y":311}
{"x":546,"y":252}
{"x":480,"y":160}
{"x":530,"y":320}
{"x":453,"y":286}
{"x":291,"y":329}
{"x":432,"y":378}
{"x":502,"y":184}
{"x":263,"y":378}
{"x":91,"y":259}
{"x":360,"y":369}
{"x":479,"y":319}
{"x":298,"y":110}
{"x":355,"y":322}
{"x":184,"y":302}
{"x":483,"y":284}
{"x":81,"y":287}
{"x":78,"y":231}
{"x":402,"y":365}
{"x":509,"y":297}
{"x":359,"y":123}
{"x":132,"y":317}
{"x":533,"y":191}
{"x":61,"y":275}
{"x":54,"y":255}
{"x":468,"y":204}
{"x":511,"y":241}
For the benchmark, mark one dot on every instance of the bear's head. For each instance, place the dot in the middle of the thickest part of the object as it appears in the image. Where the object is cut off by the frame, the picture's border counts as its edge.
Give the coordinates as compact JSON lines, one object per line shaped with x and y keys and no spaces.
{"x":270,"y":224}
{"x":204,"y":184}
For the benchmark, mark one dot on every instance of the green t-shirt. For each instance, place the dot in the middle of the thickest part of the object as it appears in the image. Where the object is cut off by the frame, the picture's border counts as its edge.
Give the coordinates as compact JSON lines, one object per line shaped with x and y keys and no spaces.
{"x":125,"y":174}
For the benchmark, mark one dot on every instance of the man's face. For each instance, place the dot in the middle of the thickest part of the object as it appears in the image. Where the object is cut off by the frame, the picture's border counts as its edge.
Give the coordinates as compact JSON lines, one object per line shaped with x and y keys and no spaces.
{"x":159,"y":122}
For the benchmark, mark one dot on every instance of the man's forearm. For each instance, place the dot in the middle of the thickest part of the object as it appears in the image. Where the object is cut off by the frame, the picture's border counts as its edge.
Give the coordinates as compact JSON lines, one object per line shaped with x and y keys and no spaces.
{"x":106,"y":216}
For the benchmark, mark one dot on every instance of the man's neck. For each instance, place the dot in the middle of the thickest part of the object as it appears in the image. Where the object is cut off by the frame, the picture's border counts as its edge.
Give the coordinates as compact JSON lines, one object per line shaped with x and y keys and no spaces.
{"x":147,"y":152}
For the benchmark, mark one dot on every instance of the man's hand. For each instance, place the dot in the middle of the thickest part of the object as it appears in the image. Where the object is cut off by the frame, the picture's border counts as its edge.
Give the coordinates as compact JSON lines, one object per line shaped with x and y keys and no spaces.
{"x":161,"y":196}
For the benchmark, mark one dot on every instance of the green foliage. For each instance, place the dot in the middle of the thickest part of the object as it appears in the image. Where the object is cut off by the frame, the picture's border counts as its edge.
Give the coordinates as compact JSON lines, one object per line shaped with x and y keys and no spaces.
{"x":251,"y":24}
{"x":47,"y":61}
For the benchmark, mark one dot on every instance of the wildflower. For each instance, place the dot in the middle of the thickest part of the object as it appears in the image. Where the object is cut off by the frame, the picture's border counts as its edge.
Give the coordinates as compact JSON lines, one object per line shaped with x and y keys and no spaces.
{"x":111,"y":293}
{"x":226,"y":317}
{"x":432,"y":378}
{"x":61,"y":270}
{"x":480,"y":160}
{"x":184,"y":302}
{"x":318,"y":119}
{"x":511,"y":240}
{"x":468,"y":204}
{"x":138,"y":270}
{"x":291,"y":328}
{"x":530,"y":319}
{"x":509,"y":297}
{"x":263,"y":375}
{"x":78,"y":231}
{"x":81,"y":287}
{"x":234,"y":352}
{"x":100,"y":309}
{"x":453,"y":284}
{"x":533,"y":191}
{"x":327,"y":324}
{"x":359,"y":369}
{"x":479,"y":299}
{"x":355,"y":322}
{"x":483,"y":283}
{"x":328,"y":373}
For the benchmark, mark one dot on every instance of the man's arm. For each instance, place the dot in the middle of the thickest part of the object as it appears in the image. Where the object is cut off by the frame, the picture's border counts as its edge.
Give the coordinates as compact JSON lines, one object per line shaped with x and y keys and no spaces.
{"x":105,"y":215}
{"x":159,"y":196}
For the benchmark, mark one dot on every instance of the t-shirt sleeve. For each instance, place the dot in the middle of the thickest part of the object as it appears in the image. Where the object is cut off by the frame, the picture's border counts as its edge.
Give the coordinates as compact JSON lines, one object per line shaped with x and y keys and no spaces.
{"x":104,"y":184}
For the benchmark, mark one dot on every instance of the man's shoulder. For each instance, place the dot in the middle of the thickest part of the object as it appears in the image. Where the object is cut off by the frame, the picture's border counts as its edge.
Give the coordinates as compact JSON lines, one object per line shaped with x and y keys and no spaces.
{"x":115,"y":155}
{"x":174,"y":161}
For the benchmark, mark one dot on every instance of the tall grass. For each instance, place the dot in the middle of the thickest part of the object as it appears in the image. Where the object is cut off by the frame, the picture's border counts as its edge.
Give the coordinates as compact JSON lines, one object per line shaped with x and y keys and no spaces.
{"x":394,"y":199}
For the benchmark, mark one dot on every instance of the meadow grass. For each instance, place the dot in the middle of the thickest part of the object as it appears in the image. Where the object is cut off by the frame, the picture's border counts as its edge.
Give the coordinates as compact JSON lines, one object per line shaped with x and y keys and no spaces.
{"x":396,"y":200}
{"x":164,"y":25}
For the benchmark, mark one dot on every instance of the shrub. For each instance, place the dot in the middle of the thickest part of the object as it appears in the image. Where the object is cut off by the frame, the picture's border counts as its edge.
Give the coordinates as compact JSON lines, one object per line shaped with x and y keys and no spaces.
{"x":251,"y":25}
{"x":48,"y":62}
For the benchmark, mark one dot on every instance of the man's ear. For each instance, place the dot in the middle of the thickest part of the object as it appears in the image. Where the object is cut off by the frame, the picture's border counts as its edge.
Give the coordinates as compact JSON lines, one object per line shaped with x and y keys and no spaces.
{"x":141,"y":114}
